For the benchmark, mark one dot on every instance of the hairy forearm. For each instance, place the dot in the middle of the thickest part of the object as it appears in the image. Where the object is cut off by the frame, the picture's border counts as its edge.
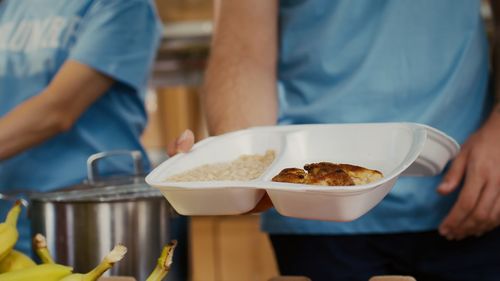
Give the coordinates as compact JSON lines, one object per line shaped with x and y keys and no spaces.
{"x":29,"y":124}
{"x":240,"y":82}
{"x":238,"y":94}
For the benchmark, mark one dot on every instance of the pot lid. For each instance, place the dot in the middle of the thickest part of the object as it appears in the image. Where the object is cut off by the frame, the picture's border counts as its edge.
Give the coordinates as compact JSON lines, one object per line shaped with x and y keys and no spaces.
{"x":104,"y":189}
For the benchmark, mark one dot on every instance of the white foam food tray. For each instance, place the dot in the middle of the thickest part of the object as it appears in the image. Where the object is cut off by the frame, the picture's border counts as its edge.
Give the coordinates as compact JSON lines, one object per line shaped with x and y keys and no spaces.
{"x":395,"y":149}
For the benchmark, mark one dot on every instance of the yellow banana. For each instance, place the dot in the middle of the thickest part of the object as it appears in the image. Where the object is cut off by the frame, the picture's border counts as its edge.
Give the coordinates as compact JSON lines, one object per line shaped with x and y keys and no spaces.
{"x":114,"y":256}
{"x":8,"y":230}
{"x":15,"y":260}
{"x":164,"y":262}
{"x":40,"y":245}
{"x":45,"y":272}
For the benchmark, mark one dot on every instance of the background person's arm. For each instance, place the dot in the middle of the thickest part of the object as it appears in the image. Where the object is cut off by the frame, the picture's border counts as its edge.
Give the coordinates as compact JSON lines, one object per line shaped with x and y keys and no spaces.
{"x":240,"y":88}
{"x":477,"y":209}
{"x":55,"y":110}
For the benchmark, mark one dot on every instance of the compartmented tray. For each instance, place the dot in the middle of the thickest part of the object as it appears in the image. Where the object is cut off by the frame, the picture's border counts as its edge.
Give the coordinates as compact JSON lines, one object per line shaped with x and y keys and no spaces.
{"x":395,"y":149}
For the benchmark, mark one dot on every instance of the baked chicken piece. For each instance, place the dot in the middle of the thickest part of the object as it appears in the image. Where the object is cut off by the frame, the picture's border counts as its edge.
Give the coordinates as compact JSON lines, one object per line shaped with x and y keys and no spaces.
{"x":292,"y":175}
{"x":361,"y":175}
{"x":329,"y":174}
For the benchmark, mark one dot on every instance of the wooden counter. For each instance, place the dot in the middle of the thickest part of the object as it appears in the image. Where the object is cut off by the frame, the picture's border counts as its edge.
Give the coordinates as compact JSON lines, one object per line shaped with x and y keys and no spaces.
{"x":229,"y":248}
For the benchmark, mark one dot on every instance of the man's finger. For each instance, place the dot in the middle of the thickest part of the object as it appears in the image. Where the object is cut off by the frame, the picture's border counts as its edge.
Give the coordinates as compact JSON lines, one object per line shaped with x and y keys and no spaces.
{"x":171,"y":148}
{"x":494,"y":214}
{"x":482,"y":213}
{"x":264,"y":204}
{"x":478,"y":221}
{"x":455,"y":174}
{"x":466,"y":202}
{"x":466,"y":228}
{"x":185,"y":141}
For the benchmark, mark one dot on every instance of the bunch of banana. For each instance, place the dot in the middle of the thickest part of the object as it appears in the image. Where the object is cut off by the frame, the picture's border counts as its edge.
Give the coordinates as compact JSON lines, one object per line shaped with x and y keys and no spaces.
{"x":114,"y":256}
{"x":57,"y":272}
{"x":8,"y":231}
{"x":11,"y":259}
{"x":40,"y":245}
{"x":45,"y":272}
{"x":164,"y":262}
{"x":15,"y":266}
{"x":15,"y":260}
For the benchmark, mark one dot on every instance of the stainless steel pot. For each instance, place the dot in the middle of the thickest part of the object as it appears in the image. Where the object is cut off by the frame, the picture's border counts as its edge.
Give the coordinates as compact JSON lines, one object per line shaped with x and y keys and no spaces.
{"x":82,"y":223}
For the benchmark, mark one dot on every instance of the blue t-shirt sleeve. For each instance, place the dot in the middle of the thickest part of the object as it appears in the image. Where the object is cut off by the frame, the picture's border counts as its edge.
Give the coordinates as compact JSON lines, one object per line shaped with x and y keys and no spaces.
{"x":119,"y":38}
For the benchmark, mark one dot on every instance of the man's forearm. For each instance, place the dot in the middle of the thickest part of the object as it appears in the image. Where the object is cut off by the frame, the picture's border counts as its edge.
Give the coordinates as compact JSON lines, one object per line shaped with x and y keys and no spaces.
{"x":237,"y":94}
{"x":240,"y":82}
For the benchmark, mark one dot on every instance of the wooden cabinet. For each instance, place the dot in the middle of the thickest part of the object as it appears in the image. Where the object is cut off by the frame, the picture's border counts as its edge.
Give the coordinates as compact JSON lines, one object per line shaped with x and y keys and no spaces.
{"x":230,"y":248}
{"x":171,"y":111}
{"x":184,"y":10}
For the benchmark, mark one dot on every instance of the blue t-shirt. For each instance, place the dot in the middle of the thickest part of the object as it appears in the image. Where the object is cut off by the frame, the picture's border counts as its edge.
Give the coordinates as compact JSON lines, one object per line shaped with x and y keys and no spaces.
{"x":420,"y":61}
{"x":115,"y":37}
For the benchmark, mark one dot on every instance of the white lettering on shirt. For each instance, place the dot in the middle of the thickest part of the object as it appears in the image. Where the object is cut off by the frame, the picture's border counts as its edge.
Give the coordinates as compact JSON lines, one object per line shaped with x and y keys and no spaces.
{"x":31,"y":35}
{"x":56,"y":29}
{"x":20,"y":37}
{"x":38,"y":34}
{"x":5,"y":30}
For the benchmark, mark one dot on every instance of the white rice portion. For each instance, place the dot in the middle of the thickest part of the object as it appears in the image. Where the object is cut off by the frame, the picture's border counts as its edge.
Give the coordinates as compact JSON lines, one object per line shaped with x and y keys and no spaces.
{"x":244,"y":168}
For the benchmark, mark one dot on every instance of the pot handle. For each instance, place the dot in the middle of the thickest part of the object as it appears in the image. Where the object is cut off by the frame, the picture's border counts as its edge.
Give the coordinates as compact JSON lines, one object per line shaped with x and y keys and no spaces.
{"x":93,"y":172}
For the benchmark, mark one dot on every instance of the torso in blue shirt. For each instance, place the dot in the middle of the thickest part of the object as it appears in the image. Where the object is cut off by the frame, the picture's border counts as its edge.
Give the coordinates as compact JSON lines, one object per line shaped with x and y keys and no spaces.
{"x":381,"y":61}
{"x":115,"y":37}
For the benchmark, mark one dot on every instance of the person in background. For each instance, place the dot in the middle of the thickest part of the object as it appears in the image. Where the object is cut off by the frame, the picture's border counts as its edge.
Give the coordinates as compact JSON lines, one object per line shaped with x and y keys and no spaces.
{"x":298,"y":62}
{"x":72,"y":83}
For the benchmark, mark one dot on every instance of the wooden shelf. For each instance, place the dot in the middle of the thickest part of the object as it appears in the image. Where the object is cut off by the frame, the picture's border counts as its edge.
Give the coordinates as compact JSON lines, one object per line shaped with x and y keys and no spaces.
{"x":228,"y":248}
